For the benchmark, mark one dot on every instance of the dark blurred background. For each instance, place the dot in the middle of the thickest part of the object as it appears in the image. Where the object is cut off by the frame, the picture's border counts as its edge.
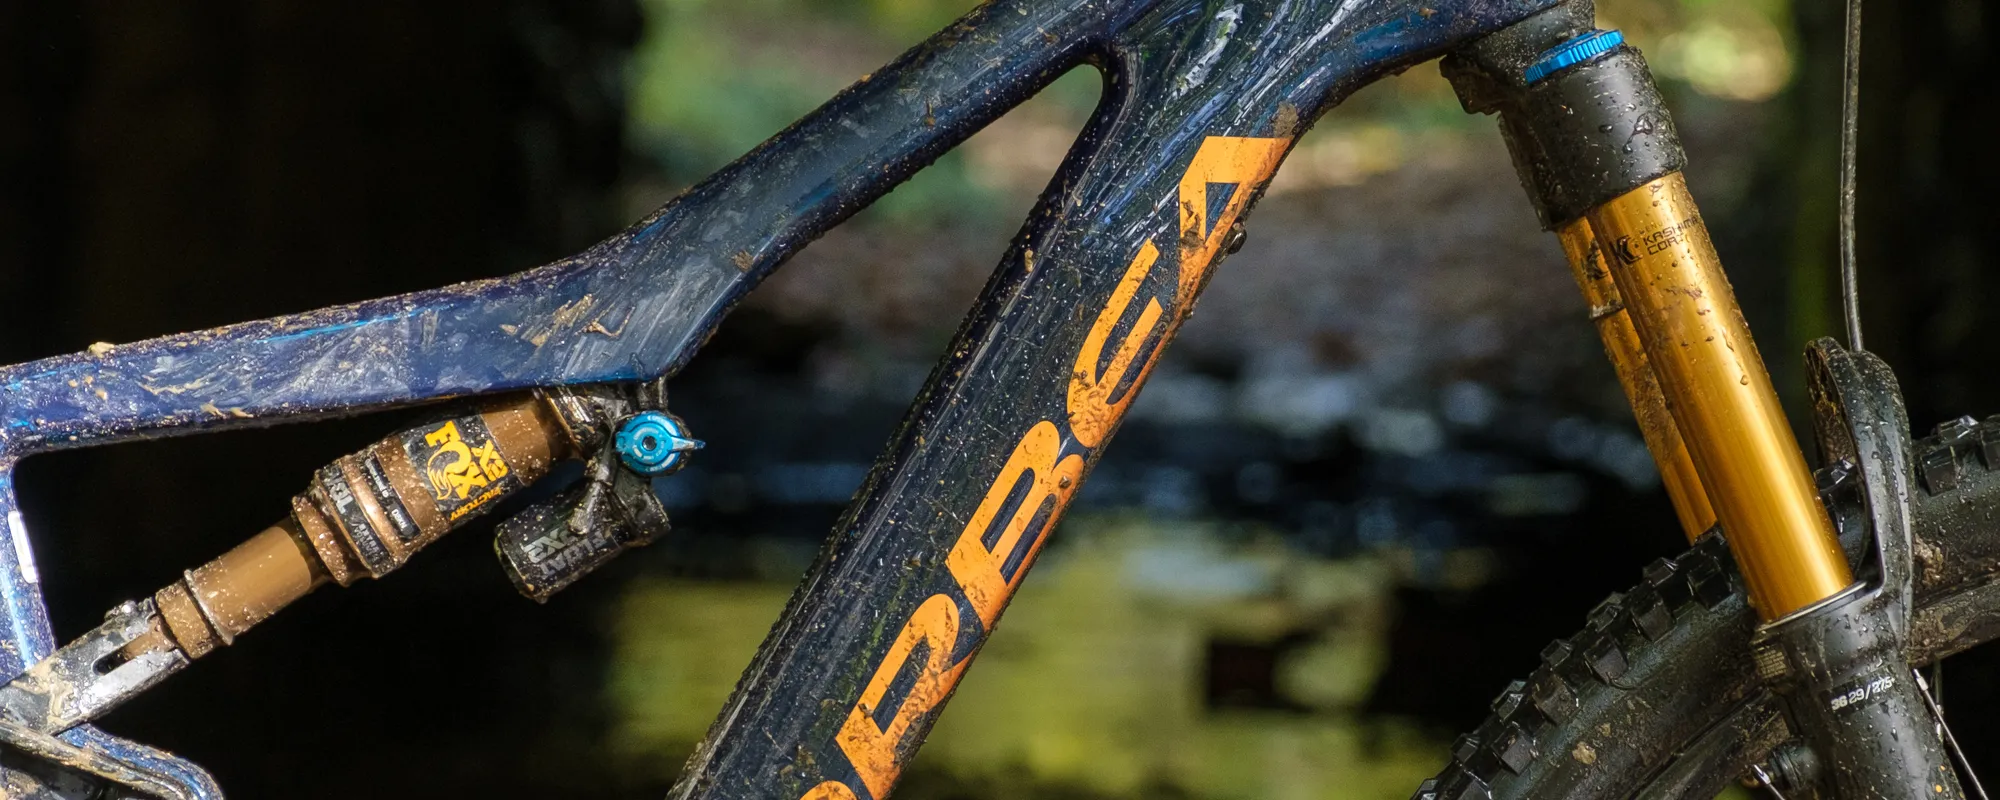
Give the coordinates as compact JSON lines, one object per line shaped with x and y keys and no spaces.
{"x":1416,"y":468}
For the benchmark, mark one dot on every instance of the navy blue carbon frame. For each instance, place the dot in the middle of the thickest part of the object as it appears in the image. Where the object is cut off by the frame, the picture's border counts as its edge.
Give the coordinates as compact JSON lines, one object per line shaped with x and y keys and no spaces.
{"x":1099,"y":260}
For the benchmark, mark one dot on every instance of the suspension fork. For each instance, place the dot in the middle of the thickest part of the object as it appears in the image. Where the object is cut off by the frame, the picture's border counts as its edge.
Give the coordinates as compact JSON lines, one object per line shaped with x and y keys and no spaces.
{"x":1597,"y":152}
{"x":1560,"y":212}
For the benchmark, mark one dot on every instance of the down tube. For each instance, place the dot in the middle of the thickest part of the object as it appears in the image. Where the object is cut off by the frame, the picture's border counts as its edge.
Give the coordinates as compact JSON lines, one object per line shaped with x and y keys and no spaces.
{"x":1207,"y":101}
{"x":1022,"y":416}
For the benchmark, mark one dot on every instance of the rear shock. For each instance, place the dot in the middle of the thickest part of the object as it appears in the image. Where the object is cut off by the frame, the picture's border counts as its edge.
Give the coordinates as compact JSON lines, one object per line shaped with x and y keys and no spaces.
{"x":363,"y":516}
{"x":1598,"y":154}
{"x":367,"y":513}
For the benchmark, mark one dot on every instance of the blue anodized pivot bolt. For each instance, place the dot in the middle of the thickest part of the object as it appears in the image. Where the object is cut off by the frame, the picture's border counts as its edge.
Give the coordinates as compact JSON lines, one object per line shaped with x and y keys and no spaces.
{"x":653,"y":443}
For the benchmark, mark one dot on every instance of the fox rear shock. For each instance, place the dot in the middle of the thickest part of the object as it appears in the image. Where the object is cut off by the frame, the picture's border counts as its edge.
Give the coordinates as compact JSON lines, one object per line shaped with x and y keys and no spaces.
{"x":367,"y":513}
{"x":1598,"y":154}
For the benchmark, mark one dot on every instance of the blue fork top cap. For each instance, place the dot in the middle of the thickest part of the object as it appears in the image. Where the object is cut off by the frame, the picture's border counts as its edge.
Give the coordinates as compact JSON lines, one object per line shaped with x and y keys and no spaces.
{"x":1575,"y":51}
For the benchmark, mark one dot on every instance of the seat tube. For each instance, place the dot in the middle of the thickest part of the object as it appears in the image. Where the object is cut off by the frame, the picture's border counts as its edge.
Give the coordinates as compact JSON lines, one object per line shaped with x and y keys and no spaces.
{"x":1597,"y":151}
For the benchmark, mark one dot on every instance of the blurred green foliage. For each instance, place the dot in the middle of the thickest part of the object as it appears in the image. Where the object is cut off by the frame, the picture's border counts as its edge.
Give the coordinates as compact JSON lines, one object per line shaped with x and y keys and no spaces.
{"x":1096,"y":686}
{"x":711,"y":79}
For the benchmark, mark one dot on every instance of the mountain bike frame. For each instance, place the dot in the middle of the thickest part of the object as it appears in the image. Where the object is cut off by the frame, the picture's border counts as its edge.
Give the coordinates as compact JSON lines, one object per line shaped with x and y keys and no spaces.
{"x":1203,"y":99}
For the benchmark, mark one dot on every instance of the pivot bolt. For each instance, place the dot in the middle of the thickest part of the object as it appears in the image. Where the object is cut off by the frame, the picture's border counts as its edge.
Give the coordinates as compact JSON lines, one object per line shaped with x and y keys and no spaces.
{"x":1235,"y":239}
{"x":653,"y":443}
{"x":125,"y":609}
{"x":1833,"y":478}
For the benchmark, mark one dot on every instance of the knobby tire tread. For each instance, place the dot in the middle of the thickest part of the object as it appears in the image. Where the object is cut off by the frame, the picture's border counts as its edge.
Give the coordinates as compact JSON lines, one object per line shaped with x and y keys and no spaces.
{"x":1655,"y":697}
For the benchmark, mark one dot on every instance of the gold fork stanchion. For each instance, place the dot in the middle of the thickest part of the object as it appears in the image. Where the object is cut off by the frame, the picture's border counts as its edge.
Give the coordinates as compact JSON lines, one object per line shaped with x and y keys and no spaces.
{"x":1635,"y":374}
{"x":1716,"y":387}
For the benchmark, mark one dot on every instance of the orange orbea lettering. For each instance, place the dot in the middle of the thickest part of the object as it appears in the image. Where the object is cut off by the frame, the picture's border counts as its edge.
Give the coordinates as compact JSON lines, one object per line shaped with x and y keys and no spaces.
{"x":874,"y":750}
{"x":979,"y":567}
{"x":830,"y":790}
{"x":1243,"y":161}
{"x":1092,"y":412}
{"x":1038,"y":465}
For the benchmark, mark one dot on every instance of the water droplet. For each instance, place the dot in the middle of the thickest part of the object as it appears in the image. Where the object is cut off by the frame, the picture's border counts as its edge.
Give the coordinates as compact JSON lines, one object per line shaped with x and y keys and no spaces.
{"x":1743,"y":381}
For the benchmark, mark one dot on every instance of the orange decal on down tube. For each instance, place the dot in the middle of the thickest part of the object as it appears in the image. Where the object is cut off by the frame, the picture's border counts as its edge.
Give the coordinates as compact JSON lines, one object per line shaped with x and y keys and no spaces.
{"x":1092,"y":412}
{"x":1243,"y":161}
{"x":830,"y":790}
{"x":875,"y":750}
{"x":979,"y":567}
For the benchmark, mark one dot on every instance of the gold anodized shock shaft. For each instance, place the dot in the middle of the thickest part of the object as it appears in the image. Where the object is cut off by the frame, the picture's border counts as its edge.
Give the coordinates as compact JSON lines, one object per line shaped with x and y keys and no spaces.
{"x":1635,"y":374}
{"x":1718,"y":392}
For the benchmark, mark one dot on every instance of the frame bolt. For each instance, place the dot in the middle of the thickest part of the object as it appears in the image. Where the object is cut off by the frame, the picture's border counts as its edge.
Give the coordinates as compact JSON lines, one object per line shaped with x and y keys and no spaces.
{"x":1233,"y":240}
{"x":653,"y":443}
{"x":125,"y":609}
{"x":1832,"y":478}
